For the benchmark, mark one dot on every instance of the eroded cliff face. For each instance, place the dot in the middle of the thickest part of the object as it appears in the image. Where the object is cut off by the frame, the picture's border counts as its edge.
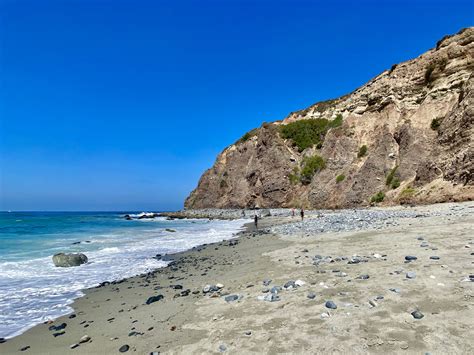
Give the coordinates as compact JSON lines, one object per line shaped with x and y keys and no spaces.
{"x":416,"y":117}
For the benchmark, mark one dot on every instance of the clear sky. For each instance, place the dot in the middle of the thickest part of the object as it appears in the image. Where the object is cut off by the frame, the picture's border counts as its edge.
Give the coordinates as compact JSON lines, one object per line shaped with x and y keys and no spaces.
{"x":121,"y":105}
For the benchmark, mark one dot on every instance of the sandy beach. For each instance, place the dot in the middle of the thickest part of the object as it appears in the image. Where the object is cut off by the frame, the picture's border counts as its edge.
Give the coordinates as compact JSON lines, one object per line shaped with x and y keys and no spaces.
{"x":230,"y":297}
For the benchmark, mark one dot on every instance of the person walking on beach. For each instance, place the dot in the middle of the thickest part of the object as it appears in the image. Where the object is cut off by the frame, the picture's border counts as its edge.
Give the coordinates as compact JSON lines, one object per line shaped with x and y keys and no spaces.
{"x":292,"y":212}
{"x":302,"y":214}
{"x":256,"y":221}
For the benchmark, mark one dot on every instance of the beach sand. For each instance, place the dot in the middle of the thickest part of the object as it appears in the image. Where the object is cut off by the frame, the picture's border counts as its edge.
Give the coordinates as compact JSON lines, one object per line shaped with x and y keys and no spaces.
{"x":370,"y":317}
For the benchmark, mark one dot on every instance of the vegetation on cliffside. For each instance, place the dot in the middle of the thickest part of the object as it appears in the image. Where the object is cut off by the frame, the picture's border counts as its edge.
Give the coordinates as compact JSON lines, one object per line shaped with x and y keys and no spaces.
{"x":309,"y":167}
{"x":307,"y":133}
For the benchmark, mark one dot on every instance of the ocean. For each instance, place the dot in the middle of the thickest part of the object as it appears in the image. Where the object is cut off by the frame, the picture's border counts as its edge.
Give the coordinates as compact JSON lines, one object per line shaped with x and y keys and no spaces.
{"x":33,"y":290}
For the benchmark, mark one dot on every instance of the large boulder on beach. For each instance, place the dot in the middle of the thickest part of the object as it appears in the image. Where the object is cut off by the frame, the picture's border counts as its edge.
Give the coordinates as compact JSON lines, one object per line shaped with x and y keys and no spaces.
{"x":68,"y":260}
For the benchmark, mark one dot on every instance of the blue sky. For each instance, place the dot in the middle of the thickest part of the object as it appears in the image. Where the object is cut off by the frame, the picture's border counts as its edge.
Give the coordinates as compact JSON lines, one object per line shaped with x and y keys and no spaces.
{"x":121,"y":105}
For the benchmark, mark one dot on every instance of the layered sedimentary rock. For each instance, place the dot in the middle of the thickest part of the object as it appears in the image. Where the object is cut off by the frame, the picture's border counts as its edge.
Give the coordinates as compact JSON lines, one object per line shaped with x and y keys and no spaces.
{"x":416,"y":120}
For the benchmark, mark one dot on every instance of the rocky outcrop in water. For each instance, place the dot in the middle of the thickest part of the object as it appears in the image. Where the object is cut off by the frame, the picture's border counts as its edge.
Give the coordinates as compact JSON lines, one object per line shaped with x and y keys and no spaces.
{"x":415,"y":121}
{"x":69,"y":260}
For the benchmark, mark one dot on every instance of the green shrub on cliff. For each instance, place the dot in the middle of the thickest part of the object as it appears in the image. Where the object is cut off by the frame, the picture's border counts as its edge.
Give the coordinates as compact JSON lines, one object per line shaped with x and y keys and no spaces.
{"x":306,"y":133}
{"x":435,"y":123}
{"x":248,"y":135}
{"x":337,"y":122}
{"x":395,"y":183}
{"x":362,"y":151}
{"x":340,"y":178}
{"x":392,"y":180}
{"x":294,"y":177}
{"x":408,"y":191}
{"x":407,"y":195}
{"x":378,"y":197}
{"x":311,"y":165}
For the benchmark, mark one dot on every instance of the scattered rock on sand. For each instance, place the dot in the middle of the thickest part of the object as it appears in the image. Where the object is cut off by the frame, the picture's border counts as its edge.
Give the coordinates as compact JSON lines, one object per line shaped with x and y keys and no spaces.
{"x":124,"y":348}
{"x":73,"y":346}
{"x":212,"y":288}
{"x":222,"y":348}
{"x":311,"y":295}
{"x":410,"y":258}
{"x":68,"y":260}
{"x":434,"y":257}
{"x":62,"y":332}
{"x":84,"y":339}
{"x":469,"y":278}
{"x":417,"y":314}
{"x":154,"y":299}
{"x":57,"y":327}
{"x":300,"y":283}
{"x":271,"y":297}
{"x":411,"y":275}
{"x":134,"y":333}
{"x":231,"y":298}
{"x":275,"y":289}
{"x":330,"y":305}
{"x":356,"y":260}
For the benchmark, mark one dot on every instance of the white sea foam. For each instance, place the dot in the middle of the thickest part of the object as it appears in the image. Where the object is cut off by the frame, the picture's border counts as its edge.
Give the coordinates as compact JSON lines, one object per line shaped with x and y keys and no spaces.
{"x":33,"y":291}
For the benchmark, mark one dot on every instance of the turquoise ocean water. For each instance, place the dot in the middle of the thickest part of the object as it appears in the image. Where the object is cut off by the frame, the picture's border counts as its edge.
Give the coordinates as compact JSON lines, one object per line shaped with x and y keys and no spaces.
{"x":33,"y":290}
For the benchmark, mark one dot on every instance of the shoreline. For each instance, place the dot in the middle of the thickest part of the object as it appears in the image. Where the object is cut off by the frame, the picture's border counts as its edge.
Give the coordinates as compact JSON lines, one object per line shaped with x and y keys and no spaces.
{"x":50,"y":291}
{"x":109,"y":314}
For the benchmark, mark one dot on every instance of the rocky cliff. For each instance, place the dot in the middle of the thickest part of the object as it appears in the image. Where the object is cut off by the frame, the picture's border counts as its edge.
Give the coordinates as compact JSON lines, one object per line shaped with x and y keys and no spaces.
{"x":406,"y":136}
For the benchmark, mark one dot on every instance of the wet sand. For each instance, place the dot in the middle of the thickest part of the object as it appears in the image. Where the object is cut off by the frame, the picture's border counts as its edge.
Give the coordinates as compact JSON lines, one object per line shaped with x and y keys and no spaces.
{"x":373,"y":314}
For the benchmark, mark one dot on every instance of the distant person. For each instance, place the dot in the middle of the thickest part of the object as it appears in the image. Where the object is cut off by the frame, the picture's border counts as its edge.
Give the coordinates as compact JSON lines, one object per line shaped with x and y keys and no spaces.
{"x":302,"y":214}
{"x":243,"y":213}
{"x":292,"y":212}
{"x":256,"y":221}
